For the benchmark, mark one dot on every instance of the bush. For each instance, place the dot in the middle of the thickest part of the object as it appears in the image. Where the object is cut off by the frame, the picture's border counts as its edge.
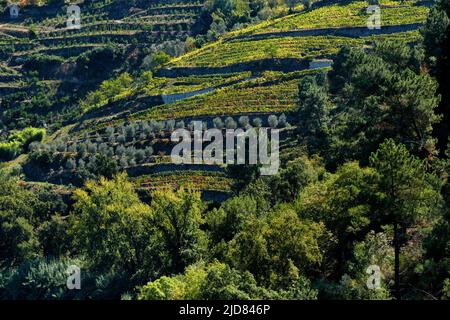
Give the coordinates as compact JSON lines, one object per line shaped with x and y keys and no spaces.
{"x":257,"y":122}
{"x":244,"y":121}
{"x":19,"y":142}
{"x":230,"y":123}
{"x":39,"y":279}
{"x":164,"y":288}
{"x":9,"y":150}
{"x":71,"y":164}
{"x":282,"y":121}
{"x":273,"y":121}
{"x":218,"y":123}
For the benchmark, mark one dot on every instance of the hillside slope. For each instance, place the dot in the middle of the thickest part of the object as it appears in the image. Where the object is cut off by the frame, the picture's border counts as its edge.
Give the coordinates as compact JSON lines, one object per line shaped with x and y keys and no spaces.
{"x":253,"y":72}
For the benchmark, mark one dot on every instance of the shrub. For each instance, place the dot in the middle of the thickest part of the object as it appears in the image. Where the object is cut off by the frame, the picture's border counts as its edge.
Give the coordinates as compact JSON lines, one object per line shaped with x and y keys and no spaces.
{"x":257,"y":122}
{"x":19,"y":142}
{"x":180,"y":125}
{"x":121,"y":139}
{"x":129,"y":133}
{"x":9,"y":150}
{"x":218,"y":123}
{"x":71,"y":164}
{"x":282,"y":121}
{"x":170,"y":125}
{"x":140,"y":155}
{"x":273,"y":121}
{"x":38,"y":279}
{"x":230,"y":123}
{"x":148,"y":151}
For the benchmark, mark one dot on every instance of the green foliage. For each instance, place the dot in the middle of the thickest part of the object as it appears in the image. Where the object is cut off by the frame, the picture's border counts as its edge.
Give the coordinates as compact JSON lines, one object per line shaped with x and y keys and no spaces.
{"x":374,"y":250}
{"x":19,"y":142}
{"x":435,"y":32}
{"x":300,"y":289}
{"x":224,"y":283}
{"x":177,"y":217}
{"x":446,"y":290}
{"x":290,"y":181}
{"x":110,"y":225}
{"x":10,"y":149}
{"x":216,"y":281}
{"x":103,"y":166}
{"x":109,"y":90}
{"x":375,"y":101}
{"x":308,"y":232}
{"x":53,"y":237}
{"x":279,"y":249}
{"x":229,"y":219}
{"x":232,"y":11}
{"x":42,"y":63}
{"x":186,"y":286}
{"x":345,"y":202}
{"x":18,"y":241}
{"x":409,"y":193}
{"x":165,"y":288}
{"x":38,"y":279}
{"x":313,"y":113}
{"x":155,"y":60}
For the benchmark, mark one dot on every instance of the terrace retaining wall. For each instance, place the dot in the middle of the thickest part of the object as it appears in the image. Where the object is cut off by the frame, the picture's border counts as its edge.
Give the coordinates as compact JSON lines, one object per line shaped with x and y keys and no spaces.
{"x":351,"y":32}
{"x":284,"y":65}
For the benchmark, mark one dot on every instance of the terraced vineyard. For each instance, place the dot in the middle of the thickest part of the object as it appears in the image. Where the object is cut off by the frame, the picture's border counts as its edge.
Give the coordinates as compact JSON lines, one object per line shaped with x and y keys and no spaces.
{"x":225,"y":150}
{"x":40,"y":56}
{"x":238,"y":51}
{"x":252,"y":72}
{"x":270,"y":93}
{"x":353,"y":14}
{"x":103,"y":22}
{"x":197,"y":180}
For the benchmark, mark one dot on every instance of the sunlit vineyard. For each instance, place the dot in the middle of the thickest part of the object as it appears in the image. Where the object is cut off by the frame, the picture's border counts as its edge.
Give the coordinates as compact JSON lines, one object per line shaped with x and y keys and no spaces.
{"x":231,"y":52}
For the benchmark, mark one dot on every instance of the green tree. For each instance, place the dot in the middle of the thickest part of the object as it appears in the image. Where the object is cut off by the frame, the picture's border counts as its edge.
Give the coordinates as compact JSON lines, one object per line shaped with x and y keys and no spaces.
{"x":39,"y":279}
{"x":110,"y":225}
{"x":177,"y":217}
{"x":228,"y":220}
{"x":103,"y":166}
{"x":409,"y":194}
{"x":225,"y":283}
{"x":345,"y":201}
{"x":377,"y":99}
{"x":435,"y":32}
{"x":436,"y":41}
{"x":53,"y":236}
{"x":298,"y":173}
{"x":374,"y":250}
{"x":279,"y":249}
{"x":18,"y":241}
{"x":215,"y":281}
{"x":164,"y":288}
{"x":313,"y":114}
{"x":292,"y":3}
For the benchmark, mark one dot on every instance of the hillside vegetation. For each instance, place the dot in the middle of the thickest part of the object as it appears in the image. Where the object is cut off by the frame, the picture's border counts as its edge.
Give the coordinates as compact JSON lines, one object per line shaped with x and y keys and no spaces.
{"x":86,"y":176}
